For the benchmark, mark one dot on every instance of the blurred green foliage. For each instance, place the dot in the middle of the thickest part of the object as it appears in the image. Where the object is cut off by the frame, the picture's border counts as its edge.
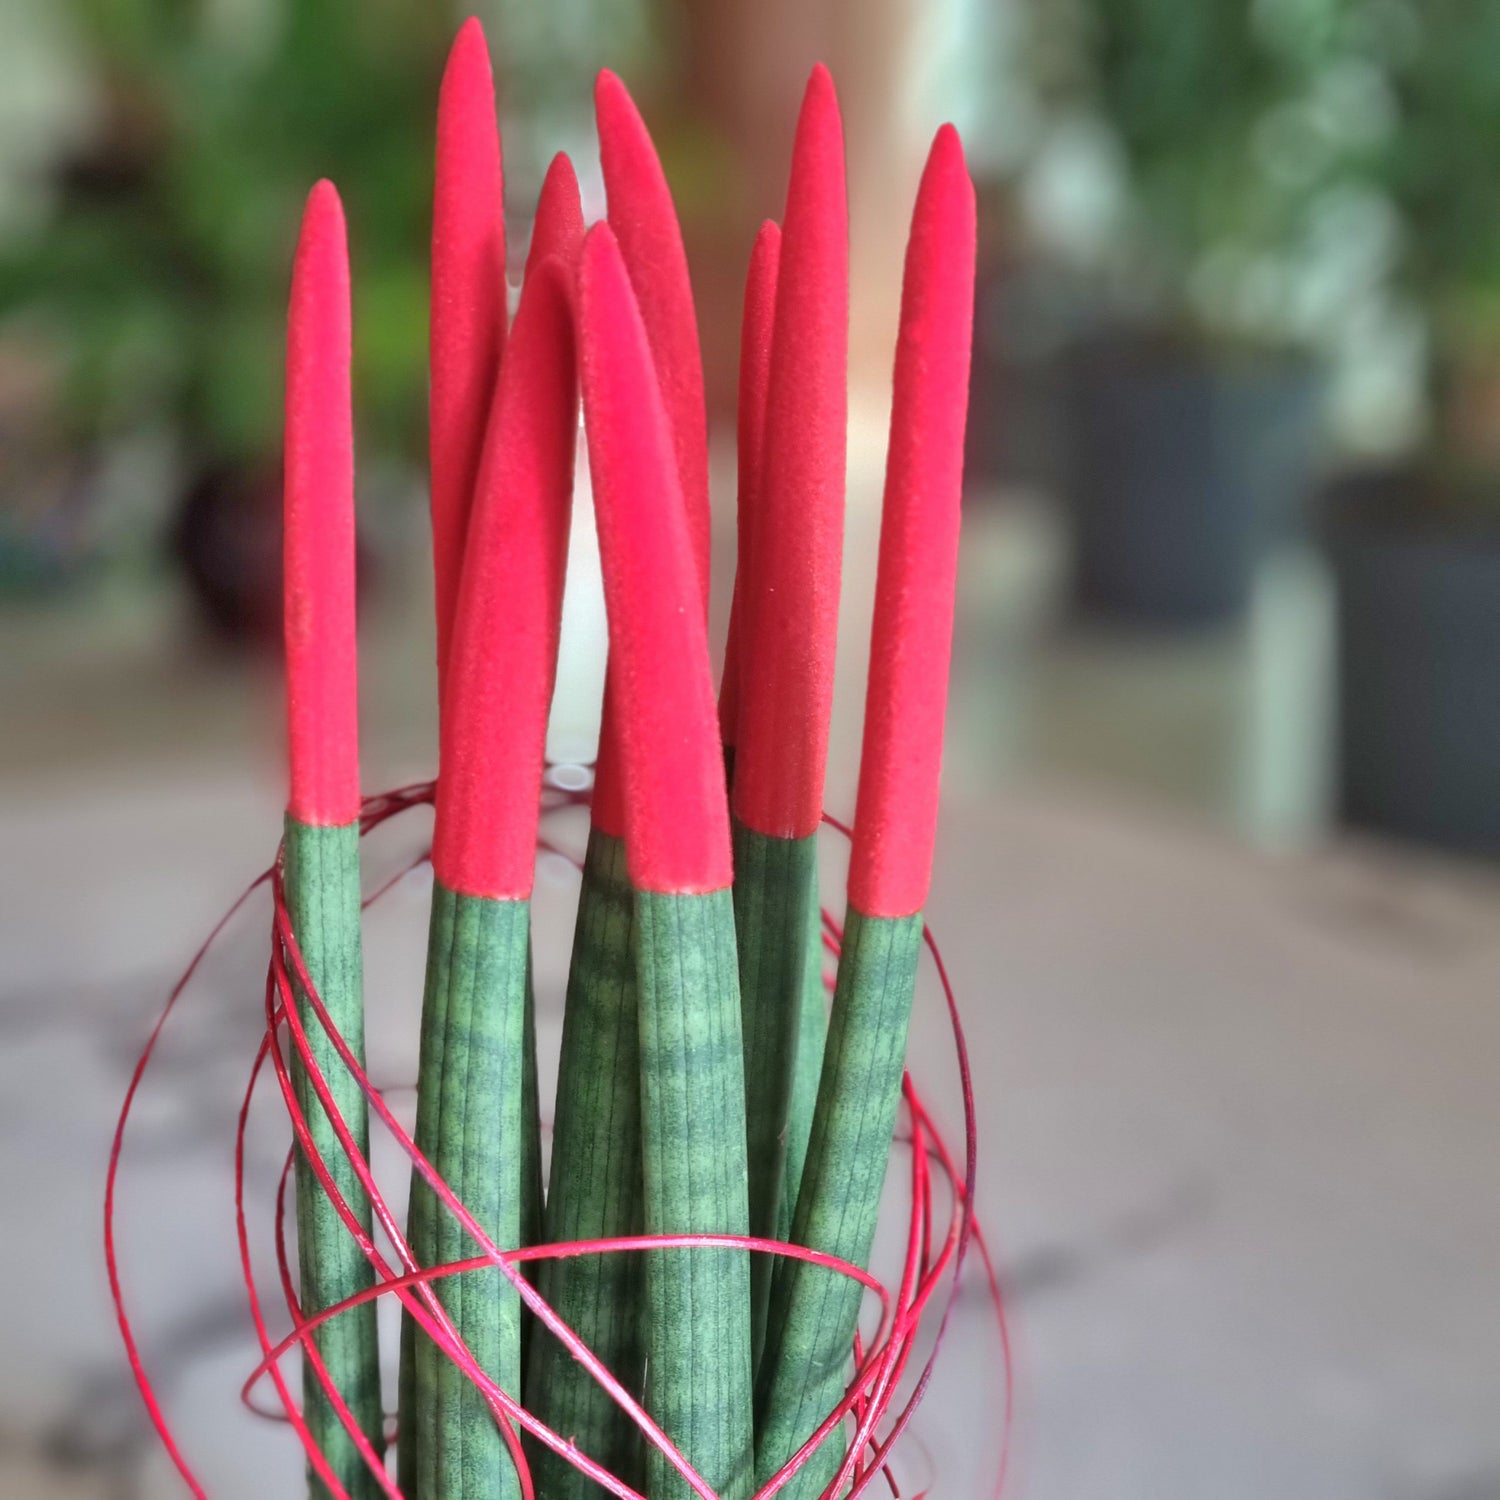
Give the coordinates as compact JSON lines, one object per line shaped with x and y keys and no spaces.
{"x":1441,"y":164}
{"x":162,"y":274}
{"x":1240,"y":121}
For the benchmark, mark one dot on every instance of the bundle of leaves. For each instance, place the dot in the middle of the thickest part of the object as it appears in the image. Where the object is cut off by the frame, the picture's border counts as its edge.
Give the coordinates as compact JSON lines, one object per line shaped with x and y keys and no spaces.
{"x":708,"y":1093}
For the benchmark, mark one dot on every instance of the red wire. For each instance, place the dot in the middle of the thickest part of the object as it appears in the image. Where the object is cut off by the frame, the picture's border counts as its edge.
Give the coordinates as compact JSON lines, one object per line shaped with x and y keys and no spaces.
{"x":879,"y":1368}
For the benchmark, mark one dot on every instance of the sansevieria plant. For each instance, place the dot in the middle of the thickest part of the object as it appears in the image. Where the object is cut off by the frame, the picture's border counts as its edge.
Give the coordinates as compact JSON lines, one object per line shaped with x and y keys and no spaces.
{"x":713,"y":1104}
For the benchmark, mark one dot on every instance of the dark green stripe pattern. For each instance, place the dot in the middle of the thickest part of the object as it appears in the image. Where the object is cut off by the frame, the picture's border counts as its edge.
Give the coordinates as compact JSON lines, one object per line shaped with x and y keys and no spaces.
{"x":469,"y":1124}
{"x":775,"y":891}
{"x":531,"y":1158}
{"x":805,"y":1367}
{"x":595,"y":1191}
{"x":697,"y":1302}
{"x":812,"y":1038}
{"x":323,"y":902}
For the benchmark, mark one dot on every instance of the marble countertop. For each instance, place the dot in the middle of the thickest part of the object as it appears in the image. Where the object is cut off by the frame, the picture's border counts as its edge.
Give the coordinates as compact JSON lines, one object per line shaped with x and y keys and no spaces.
{"x":1238,"y":1145}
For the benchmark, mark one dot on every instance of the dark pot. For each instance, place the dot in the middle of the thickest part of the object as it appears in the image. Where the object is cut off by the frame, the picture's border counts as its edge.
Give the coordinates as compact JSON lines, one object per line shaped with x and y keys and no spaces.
{"x":1183,"y":471}
{"x":227,"y":540}
{"x":1419,"y":664}
{"x":1025,"y":318}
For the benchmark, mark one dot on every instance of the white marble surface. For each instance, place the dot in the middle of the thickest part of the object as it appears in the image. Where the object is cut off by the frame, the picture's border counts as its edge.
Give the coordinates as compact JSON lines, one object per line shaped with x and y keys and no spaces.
{"x":1239,"y":1131}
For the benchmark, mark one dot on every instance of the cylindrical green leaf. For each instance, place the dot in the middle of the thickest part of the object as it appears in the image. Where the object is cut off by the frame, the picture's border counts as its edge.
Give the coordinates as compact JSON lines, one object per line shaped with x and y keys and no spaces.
{"x":813,"y":1318}
{"x":697,"y":1303}
{"x":323,"y":901}
{"x":812,"y":1037}
{"x":531,"y":1156}
{"x":595,"y":1190}
{"x":775,"y":897}
{"x":469,"y":1124}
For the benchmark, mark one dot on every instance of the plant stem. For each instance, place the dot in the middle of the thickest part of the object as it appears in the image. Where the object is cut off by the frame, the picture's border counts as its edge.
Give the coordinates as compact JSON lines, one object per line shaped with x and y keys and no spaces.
{"x":595,"y":1190}
{"x":469,"y":1104}
{"x":812,"y":1038}
{"x":322,"y":894}
{"x":531,"y":1156}
{"x":812,"y":1323}
{"x":698,"y":1337}
{"x":775,"y":889}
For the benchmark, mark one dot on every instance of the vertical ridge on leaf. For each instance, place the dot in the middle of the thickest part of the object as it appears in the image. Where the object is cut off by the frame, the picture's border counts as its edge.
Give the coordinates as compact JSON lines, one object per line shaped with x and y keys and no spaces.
{"x":756,"y":328}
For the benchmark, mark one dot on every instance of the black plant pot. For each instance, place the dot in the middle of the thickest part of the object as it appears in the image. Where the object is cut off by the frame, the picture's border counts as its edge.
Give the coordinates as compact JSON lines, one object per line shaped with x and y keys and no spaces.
{"x":1419,"y":664}
{"x":227,"y":540}
{"x":1183,"y":471}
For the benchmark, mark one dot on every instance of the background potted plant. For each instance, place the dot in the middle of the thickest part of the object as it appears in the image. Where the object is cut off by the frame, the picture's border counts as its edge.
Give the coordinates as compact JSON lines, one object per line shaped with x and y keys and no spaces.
{"x":1415,"y":544}
{"x":1193,"y":411}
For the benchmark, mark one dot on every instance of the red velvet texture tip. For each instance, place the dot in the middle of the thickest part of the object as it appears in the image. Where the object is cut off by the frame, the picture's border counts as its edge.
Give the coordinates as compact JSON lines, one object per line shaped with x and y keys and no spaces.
{"x":756,"y":328}
{"x":789,"y":616}
{"x":896,"y":814}
{"x":558,"y":226}
{"x":504,"y":652}
{"x":468,"y":307}
{"x":677,"y":823}
{"x":322,"y":691}
{"x":644,"y":221}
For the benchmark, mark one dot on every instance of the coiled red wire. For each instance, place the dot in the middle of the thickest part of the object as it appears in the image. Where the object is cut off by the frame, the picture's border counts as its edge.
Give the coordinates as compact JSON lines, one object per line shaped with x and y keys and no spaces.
{"x":935,"y":1252}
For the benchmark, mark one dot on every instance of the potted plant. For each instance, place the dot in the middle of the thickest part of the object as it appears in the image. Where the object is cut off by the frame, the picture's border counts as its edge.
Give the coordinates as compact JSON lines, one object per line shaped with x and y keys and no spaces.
{"x":1193,"y":398}
{"x":1415,"y":545}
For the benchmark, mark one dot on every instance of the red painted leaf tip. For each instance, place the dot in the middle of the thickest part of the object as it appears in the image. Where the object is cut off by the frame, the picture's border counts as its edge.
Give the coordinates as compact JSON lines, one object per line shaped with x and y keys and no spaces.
{"x":510,"y":606}
{"x":468,"y":304}
{"x":318,"y":525}
{"x":644,"y":220}
{"x":895,"y":820}
{"x":677,"y":833}
{"x":756,"y":328}
{"x":789,"y":621}
{"x":558,"y":226}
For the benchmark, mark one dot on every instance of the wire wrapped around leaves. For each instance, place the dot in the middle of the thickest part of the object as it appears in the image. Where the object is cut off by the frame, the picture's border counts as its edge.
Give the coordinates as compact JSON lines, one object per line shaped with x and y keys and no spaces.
{"x":935,"y":1253}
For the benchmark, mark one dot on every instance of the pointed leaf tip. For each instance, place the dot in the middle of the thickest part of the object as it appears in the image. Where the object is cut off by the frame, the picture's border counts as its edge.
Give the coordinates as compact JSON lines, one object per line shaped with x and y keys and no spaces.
{"x":644,"y":220}
{"x":790,"y":622}
{"x":468,"y":304}
{"x":677,"y":832}
{"x":558,"y":226}
{"x":911,"y":640}
{"x":509,"y":610}
{"x":820,"y":113}
{"x":468,"y":61}
{"x":318,"y":525}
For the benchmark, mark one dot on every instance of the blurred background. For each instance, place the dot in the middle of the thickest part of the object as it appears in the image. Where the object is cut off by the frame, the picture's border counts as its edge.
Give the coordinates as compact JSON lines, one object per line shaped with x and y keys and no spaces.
{"x":1217,"y":878}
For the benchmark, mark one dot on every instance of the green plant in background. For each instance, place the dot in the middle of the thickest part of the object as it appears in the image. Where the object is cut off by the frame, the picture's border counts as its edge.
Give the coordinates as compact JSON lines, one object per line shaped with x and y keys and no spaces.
{"x":1436,"y":169}
{"x":160,"y":273}
{"x":1290,"y":165}
{"x":1229,"y":122}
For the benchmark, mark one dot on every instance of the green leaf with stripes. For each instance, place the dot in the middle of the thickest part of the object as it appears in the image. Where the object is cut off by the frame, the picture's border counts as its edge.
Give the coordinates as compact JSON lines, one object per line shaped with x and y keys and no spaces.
{"x":775,"y":898}
{"x":323,"y":901}
{"x":804,"y":1370}
{"x":697,"y":1302}
{"x":469,"y":1124}
{"x":595,"y":1190}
